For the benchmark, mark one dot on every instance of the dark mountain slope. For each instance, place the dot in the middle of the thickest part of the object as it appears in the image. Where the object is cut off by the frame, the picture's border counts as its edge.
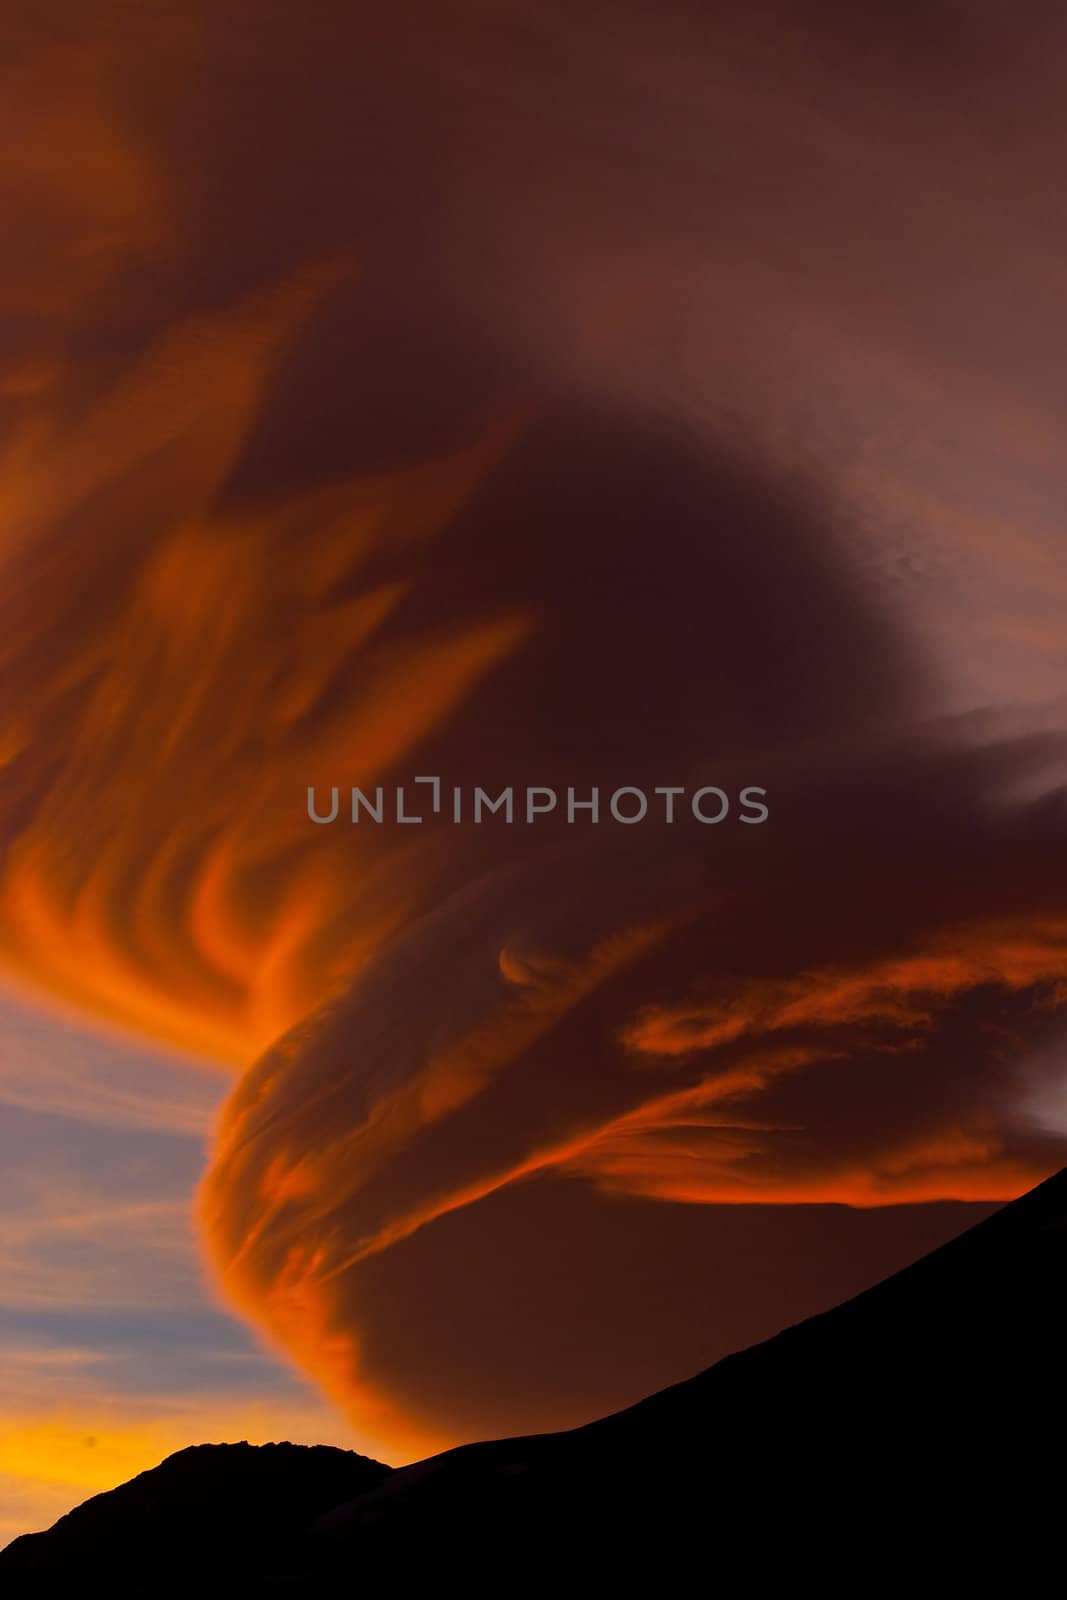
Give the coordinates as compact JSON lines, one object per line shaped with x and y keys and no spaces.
{"x":916,"y":1430}
{"x":920,"y":1415}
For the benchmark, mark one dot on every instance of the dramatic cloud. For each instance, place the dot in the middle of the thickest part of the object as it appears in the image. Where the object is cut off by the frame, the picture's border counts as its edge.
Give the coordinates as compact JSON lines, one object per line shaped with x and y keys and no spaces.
{"x":846,"y":1022}
{"x":542,"y":395}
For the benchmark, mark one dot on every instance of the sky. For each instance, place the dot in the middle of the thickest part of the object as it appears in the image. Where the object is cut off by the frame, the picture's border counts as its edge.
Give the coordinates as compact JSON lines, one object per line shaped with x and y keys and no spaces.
{"x":112,"y":1353}
{"x":566,"y":395}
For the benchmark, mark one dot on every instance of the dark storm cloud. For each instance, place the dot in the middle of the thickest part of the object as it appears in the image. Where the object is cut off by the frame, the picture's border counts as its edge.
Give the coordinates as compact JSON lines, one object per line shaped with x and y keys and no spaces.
{"x":839,"y":1012}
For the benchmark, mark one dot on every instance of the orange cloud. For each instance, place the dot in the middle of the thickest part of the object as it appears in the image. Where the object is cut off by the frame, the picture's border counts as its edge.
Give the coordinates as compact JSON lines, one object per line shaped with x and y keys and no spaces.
{"x":901,"y":993}
{"x":348,"y":1141}
{"x":201,"y":655}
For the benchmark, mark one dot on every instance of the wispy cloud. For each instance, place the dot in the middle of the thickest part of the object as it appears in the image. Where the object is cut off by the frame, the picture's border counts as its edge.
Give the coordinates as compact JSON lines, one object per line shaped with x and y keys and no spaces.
{"x":62,"y":1068}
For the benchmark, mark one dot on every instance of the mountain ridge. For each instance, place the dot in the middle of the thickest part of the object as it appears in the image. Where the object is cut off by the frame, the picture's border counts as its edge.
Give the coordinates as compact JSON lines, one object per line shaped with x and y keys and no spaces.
{"x":902,"y":1420}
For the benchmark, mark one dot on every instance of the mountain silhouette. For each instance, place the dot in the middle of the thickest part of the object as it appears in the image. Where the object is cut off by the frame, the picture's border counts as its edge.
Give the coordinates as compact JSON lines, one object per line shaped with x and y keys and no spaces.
{"x":212,"y":1505}
{"x":915,"y":1431}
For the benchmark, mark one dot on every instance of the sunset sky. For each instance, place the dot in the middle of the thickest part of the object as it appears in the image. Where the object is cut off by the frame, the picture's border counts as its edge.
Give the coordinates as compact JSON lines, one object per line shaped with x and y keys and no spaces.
{"x":558,"y":394}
